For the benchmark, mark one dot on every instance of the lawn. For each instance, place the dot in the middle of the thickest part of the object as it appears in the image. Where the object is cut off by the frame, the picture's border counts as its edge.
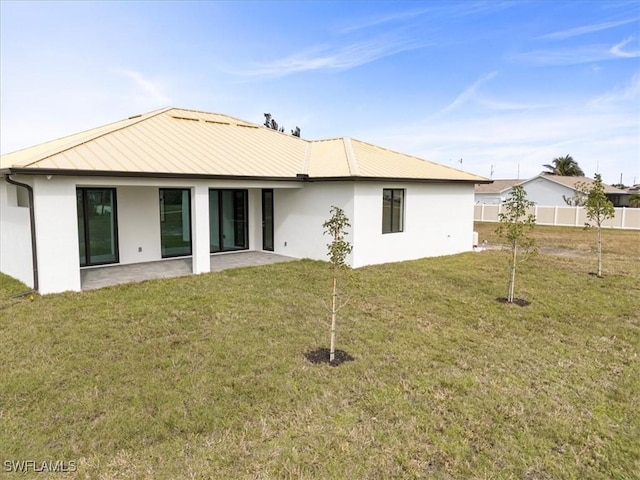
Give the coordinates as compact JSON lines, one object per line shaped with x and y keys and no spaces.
{"x":205,"y":376}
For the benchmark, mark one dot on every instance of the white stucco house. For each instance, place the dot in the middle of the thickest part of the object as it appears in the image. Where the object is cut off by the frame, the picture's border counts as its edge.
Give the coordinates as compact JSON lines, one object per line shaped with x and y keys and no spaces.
{"x":184,"y":183}
{"x":544,"y":190}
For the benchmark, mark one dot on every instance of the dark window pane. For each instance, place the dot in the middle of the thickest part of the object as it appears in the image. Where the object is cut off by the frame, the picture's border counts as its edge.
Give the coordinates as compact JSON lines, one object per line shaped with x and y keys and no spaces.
{"x":392,"y":210}
{"x":81,"y":232}
{"x":97,"y":226}
{"x":267,"y":220}
{"x":214,"y":222}
{"x":175,"y":222}
{"x":386,"y":211}
{"x":228,"y":220}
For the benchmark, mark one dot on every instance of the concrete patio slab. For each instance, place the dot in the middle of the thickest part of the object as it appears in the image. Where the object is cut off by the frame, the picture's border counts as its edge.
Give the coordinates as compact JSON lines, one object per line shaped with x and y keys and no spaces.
{"x":98,"y":277}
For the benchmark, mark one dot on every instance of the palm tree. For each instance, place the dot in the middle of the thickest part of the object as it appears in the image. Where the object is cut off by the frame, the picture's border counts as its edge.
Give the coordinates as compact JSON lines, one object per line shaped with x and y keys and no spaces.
{"x":565,"y":166}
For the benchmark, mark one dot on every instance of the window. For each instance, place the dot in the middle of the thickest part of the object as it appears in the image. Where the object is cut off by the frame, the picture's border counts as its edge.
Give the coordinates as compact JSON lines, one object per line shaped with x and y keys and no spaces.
{"x":97,"y":226}
{"x":392,"y":210}
{"x":175,"y":222}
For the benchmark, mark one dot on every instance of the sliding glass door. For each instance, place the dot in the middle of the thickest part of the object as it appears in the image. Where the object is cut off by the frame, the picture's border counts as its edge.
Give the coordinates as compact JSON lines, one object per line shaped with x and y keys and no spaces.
{"x":228,"y":228}
{"x":97,"y":226}
{"x":267,"y":219}
{"x":175,"y":222}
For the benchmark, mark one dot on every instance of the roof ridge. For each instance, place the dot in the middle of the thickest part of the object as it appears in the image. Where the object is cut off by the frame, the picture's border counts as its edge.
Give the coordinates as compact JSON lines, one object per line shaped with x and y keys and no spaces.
{"x":307,"y":159}
{"x":352,"y":161}
{"x":142,"y":117}
{"x":216,"y":113}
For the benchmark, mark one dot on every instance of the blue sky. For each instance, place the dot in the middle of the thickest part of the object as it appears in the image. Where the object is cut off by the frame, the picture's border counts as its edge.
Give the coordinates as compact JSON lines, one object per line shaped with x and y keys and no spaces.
{"x":504,"y":85}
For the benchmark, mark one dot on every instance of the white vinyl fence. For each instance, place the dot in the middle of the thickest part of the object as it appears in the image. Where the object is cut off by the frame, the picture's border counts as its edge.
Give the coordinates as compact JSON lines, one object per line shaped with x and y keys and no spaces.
{"x":626,"y":218}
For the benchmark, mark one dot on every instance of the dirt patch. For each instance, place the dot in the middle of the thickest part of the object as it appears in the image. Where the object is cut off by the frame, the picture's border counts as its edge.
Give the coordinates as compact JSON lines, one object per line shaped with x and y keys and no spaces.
{"x":321,"y":355}
{"x":521,"y":302}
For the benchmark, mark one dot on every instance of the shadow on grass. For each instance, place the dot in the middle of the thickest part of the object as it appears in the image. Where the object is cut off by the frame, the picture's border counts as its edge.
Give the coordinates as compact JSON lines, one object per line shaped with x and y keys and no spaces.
{"x":321,"y":355}
{"x":521,"y":302}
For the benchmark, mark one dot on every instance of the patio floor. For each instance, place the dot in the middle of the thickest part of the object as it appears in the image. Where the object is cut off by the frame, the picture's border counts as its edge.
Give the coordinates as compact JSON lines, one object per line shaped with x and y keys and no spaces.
{"x":98,"y":277}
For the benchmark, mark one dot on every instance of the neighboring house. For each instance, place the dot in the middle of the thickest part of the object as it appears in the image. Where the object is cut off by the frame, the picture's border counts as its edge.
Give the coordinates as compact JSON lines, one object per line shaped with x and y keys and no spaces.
{"x":551,"y":190}
{"x":183,"y":183}
{"x":545,"y":190}
{"x":496,"y":192}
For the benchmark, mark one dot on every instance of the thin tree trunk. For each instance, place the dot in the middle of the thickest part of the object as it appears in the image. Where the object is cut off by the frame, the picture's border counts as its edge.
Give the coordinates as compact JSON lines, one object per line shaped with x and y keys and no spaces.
{"x":332,"y":351}
{"x":512,"y":277}
{"x":599,"y":251}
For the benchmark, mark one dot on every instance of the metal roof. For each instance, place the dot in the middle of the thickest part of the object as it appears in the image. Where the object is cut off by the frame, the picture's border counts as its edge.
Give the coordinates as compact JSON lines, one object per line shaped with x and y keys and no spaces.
{"x":573,"y":182}
{"x":182,"y":142}
{"x":498,"y":186}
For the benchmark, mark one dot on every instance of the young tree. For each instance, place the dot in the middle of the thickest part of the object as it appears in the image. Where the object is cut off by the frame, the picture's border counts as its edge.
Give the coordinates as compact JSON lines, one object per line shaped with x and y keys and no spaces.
{"x":599,"y":208}
{"x":515,"y":226}
{"x":338,"y":249}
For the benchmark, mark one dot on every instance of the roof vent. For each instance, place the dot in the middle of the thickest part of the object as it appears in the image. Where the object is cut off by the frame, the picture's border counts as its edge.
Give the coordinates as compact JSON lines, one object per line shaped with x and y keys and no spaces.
{"x":186,"y":118}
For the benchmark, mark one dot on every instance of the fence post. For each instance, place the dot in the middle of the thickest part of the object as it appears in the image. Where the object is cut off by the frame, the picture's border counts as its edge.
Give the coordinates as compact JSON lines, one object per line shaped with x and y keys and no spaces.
{"x":575,"y":222}
{"x":623,"y":217}
{"x":555,"y":215}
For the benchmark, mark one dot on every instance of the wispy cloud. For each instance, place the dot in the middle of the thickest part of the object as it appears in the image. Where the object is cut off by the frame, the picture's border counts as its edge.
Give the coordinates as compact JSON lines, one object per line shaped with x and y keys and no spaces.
{"x":585,"y":29}
{"x":617,"y":50}
{"x":449,"y":10}
{"x":468,"y":94}
{"x":600,"y":133}
{"x":381,"y":20}
{"x":333,"y":58}
{"x":472,"y":96}
{"x":153,"y":90}
{"x":577,"y":55}
{"x":628,"y":94}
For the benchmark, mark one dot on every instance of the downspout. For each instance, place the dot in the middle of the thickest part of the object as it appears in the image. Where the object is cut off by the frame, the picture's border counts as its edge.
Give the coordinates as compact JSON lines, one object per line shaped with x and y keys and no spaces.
{"x":32,"y":221}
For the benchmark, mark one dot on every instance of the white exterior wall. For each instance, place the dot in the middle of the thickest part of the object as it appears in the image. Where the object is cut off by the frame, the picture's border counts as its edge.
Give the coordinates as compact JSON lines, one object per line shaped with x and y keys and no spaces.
{"x":255,"y":218}
{"x":57,"y":233}
{"x":299,"y":215}
{"x":200,"y":234}
{"x":15,"y":234}
{"x":438,"y":220}
{"x":138,"y":224}
{"x":138,"y":218}
{"x":547,"y":193}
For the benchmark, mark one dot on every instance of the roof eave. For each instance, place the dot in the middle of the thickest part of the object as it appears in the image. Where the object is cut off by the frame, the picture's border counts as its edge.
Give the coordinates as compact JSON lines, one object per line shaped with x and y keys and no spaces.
{"x":111,"y":173}
{"x":298,"y":178}
{"x":354,"y":178}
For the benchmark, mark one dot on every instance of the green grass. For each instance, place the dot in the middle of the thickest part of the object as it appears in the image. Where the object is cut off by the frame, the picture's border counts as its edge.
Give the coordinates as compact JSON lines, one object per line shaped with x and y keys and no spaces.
{"x":204,"y":376}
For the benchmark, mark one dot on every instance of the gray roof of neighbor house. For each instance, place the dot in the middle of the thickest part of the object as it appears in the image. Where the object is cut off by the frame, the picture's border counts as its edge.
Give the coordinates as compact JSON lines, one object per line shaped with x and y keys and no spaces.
{"x":179,"y":142}
{"x":574,"y":182}
{"x":498,"y":186}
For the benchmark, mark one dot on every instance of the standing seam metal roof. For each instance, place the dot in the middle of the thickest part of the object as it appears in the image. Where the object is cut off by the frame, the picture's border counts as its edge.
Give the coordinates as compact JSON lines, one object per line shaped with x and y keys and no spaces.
{"x":178,"y":142}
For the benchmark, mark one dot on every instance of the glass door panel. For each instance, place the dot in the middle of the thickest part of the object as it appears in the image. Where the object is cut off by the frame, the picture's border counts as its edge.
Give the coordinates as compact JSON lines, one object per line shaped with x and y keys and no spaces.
{"x":175,"y":222}
{"x":267,"y":220}
{"x":81,"y":230}
{"x":97,"y":226}
{"x":228,"y":220}
{"x":214,"y":221}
